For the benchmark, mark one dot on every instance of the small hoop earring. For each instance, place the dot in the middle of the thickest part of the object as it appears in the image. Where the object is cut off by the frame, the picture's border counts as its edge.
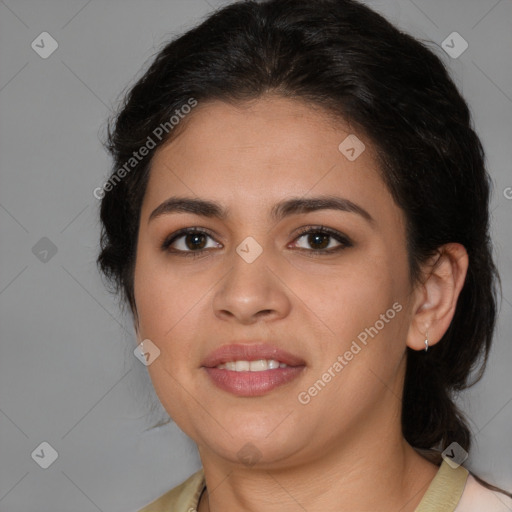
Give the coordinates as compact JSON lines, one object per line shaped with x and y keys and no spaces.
{"x":426,"y":341}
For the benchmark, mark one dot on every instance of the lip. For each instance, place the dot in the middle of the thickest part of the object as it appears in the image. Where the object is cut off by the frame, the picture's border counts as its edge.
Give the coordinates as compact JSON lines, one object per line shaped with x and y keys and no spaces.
{"x":247,"y":383}
{"x":250,"y":352}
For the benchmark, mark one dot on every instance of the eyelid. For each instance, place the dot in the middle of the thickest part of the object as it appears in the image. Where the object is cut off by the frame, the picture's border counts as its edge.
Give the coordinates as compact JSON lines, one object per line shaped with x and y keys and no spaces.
{"x":168,"y":240}
{"x":321,"y":228}
{"x":342,"y":239}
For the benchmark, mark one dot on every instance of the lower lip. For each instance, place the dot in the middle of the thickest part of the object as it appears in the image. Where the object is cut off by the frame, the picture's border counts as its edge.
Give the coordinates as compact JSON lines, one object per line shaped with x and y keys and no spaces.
{"x":253,"y":383}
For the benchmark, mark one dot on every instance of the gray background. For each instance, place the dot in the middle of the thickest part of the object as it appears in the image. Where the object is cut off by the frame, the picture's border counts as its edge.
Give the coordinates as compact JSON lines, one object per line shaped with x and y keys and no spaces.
{"x":68,"y":375}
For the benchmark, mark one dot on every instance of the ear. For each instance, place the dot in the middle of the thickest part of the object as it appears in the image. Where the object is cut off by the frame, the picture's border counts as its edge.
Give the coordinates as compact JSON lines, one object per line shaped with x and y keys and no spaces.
{"x":436,"y":296}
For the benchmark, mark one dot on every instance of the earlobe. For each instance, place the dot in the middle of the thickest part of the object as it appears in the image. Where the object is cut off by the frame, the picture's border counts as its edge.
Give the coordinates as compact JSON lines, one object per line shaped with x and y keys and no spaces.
{"x":437,"y":296}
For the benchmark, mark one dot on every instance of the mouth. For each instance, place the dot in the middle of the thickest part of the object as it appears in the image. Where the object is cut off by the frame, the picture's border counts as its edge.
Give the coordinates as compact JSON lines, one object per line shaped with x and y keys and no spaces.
{"x":251,"y":370}
{"x":259,"y":365}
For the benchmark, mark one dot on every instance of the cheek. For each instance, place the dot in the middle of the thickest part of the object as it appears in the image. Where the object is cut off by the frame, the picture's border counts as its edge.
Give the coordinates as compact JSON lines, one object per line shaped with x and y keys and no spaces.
{"x":363,"y":308}
{"x":357,"y":356}
{"x":165,"y":294}
{"x":166,"y":304}
{"x":352,"y":296}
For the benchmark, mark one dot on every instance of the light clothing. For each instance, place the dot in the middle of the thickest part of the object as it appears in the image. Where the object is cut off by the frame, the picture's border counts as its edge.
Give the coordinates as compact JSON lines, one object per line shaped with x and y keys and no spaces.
{"x":451,"y":490}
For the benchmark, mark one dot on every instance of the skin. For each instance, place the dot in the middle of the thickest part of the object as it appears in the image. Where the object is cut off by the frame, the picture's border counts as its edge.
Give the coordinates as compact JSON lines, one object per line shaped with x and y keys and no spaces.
{"x":249,"y":157}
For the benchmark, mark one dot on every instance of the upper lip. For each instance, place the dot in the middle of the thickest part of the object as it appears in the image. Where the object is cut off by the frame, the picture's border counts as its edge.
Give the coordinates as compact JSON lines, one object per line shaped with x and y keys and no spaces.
{"x":250,"y":352}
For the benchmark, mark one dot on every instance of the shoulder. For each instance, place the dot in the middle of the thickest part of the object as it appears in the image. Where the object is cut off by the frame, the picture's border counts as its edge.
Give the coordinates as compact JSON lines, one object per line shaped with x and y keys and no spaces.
{"x":477,"y":498}
{"x":454,"y":489}
{"x":181,"y":498}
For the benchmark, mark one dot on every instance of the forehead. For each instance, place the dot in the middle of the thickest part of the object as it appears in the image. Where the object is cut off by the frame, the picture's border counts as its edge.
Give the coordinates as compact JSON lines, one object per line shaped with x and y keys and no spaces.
{"x":260,"y":152}
{"x":272,"y":127}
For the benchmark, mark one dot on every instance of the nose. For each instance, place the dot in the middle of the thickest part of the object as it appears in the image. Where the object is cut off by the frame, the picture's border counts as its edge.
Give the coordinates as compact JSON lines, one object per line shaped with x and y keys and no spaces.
{"x":251,"y":292}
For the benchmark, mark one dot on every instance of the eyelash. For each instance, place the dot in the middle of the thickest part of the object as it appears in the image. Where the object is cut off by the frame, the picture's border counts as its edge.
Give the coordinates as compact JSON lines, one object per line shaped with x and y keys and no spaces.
{"x":343,"y":240}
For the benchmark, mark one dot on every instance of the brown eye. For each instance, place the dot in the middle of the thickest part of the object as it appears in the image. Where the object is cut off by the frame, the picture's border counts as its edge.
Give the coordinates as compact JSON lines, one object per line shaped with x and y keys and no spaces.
{"x":188,"y":242}
{"x":318,"y":240}
{"x":195,"y":241}
{"x":323,"y":240}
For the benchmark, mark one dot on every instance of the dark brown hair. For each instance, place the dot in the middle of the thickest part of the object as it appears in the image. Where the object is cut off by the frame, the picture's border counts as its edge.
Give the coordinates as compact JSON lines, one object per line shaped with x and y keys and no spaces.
{"x":349,"y":60}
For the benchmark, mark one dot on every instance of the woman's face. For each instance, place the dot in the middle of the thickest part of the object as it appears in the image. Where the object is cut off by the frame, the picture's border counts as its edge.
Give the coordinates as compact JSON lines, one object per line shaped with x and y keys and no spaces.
{"x":340,"y":308}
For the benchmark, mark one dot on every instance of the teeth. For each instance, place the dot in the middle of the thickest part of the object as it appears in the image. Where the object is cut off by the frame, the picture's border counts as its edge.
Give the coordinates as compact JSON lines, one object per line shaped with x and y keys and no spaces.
{"x":242,"y":366}
{"x":252,"y":366}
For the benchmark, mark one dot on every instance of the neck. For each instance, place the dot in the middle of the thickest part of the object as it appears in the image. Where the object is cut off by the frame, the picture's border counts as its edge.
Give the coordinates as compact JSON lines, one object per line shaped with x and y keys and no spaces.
{"x":373,"y":473}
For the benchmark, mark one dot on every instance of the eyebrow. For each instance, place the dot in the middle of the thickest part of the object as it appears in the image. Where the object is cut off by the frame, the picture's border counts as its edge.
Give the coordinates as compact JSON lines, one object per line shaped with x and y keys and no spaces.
{"x":281,"y":210}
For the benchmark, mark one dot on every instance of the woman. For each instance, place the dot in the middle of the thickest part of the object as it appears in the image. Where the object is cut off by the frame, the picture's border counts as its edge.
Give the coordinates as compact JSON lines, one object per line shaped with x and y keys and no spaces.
{"x":298,"y":220}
